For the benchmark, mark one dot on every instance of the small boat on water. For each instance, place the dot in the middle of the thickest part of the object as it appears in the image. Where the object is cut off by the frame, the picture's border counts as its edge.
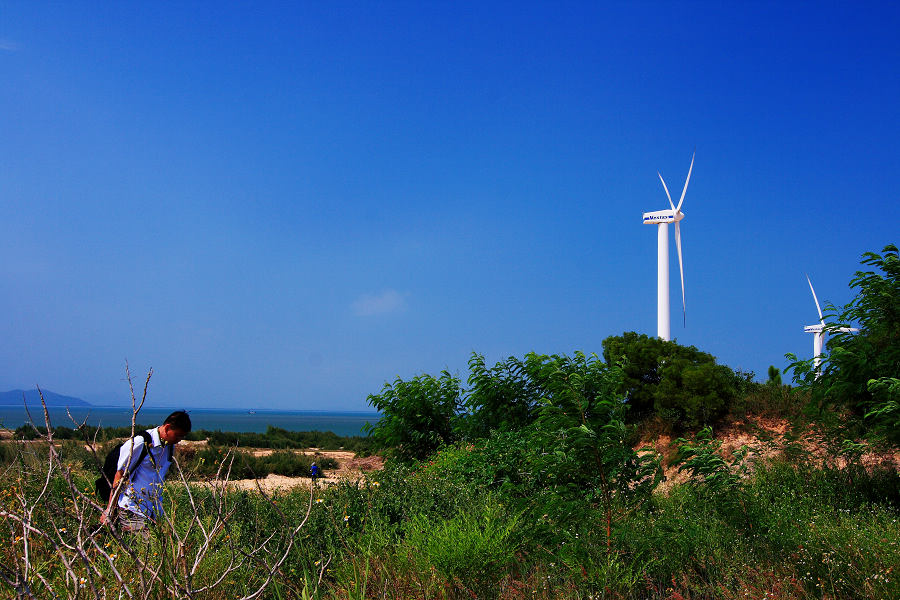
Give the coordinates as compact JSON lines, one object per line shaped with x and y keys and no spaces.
{"x":251,"y":412}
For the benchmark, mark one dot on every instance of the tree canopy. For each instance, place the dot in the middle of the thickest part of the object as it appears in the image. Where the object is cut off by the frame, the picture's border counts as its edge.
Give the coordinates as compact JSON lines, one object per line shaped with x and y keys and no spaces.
{"x":679,"y":383}
{"x":417,"y":415}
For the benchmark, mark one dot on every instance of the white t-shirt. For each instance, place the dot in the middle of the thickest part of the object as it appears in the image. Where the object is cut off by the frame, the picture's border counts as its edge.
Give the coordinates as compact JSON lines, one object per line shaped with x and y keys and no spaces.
{"x":142,"y":494}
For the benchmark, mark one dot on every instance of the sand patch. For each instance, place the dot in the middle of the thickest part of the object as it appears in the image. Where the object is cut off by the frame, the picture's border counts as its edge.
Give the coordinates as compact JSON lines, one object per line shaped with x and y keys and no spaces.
{"x":350,"y":468}
{"x":767,"y":438}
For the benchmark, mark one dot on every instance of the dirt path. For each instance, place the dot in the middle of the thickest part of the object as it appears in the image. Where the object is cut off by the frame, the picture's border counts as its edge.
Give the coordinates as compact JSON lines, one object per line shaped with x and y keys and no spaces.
{"x":350,"y":467}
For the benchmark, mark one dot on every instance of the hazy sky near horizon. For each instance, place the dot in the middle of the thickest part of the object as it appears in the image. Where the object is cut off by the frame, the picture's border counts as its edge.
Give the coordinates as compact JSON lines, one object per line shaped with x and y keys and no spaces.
{"x":284,"y":205}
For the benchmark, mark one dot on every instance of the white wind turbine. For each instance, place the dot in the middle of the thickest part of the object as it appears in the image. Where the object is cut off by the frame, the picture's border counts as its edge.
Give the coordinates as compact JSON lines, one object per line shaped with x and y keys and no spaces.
{"x":818,"y":331}
{"x":662,"y":218}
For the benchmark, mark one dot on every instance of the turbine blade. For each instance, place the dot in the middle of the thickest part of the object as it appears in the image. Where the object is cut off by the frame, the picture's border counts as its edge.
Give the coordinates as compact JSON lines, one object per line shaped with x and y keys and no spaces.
{"x":667,"y":191}
{"x":686,"y":182}
{"x":818,"y":308}
{"x":680,"y":269}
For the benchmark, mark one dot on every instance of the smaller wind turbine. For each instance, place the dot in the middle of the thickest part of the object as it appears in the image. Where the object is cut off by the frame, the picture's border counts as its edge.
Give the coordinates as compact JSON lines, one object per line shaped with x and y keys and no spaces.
{"x":818,"y":331}
{"x":662,"y":218}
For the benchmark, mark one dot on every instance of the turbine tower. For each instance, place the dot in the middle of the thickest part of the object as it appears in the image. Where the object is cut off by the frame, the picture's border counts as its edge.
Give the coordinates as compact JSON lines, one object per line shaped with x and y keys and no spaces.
{"x":662,"y":218}
{"x":818,"y":331}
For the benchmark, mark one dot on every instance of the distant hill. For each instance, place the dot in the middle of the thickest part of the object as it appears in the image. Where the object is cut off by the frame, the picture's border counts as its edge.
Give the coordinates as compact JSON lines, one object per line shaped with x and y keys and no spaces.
{"x":33,"y":398}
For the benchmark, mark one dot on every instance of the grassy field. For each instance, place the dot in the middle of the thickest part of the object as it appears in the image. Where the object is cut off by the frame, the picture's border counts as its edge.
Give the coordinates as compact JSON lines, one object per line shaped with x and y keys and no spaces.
{"x":474,"y":521}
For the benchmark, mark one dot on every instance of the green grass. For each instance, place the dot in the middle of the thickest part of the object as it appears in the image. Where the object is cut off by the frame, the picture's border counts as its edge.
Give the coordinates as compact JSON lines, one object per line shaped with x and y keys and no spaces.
{"x":786,"y":531}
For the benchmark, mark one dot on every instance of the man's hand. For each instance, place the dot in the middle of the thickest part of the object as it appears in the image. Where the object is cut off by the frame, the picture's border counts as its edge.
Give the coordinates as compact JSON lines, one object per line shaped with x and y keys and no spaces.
{"x":106,"y":515}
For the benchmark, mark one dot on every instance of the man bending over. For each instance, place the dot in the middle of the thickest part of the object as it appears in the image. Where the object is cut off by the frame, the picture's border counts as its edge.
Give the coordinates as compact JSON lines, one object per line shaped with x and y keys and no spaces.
{"x":140,"y":500}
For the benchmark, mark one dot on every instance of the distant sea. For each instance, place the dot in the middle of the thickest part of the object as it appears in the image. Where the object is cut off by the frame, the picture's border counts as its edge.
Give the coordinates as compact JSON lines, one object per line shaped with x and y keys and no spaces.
{"x":341,"y":423}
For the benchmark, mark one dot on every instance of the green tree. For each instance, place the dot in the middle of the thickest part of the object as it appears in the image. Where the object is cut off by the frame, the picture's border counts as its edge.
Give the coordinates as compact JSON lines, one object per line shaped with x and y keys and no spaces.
{"x":582,"y":419}
{"x":417,"y":415}
{"x":501,"y":398}
{"x":885,"y":411}
{"x":859,"y":370}
{"x":694,"y":394}
{"x":679,"y":383}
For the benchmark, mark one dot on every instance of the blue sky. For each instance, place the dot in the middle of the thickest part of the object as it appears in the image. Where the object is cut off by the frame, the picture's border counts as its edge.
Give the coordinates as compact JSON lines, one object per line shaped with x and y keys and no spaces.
{"x":286,"y":205}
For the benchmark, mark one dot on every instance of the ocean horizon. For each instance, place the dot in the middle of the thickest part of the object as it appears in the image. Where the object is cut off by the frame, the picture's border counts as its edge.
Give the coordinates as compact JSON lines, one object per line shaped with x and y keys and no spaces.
{"x":344,"y":423}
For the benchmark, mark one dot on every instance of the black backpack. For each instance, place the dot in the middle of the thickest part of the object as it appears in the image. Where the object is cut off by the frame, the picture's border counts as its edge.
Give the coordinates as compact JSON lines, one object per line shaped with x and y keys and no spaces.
{"x":103,"y":483}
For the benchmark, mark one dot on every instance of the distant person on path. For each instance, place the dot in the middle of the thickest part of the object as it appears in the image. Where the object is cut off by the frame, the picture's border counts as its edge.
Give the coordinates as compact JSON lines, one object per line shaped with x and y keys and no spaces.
{"x":140,"y":500}
{"x":314,"y":472}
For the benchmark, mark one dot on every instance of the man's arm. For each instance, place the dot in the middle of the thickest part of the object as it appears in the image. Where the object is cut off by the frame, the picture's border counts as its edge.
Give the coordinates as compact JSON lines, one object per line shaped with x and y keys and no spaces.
{"x":113,"y":497}
{"x":129,"y":454}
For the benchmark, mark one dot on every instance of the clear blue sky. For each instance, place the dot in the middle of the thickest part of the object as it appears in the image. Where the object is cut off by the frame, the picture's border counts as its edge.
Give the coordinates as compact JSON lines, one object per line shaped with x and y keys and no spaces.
{"x":285,"y":206}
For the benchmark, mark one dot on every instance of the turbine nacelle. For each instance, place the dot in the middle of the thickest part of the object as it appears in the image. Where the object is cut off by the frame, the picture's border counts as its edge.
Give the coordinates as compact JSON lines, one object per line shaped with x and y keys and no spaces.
{"x":821,"y":329}
{"x":662,"y":216}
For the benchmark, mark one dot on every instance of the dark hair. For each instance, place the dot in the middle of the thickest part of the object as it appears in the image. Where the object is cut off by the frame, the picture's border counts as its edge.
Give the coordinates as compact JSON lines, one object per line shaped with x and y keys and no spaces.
{"x":179,"y":420}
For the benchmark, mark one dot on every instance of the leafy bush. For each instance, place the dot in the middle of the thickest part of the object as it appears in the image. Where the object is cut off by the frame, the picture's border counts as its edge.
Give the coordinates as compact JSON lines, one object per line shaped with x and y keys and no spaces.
{"x":679,"y":383}
{"x":701,"y":457}
{"x":575,"y":455}
{"x":418,"y":415}
{"x":584,"y":421}
{"x":504,"y":397}
{"x":885,"y":408}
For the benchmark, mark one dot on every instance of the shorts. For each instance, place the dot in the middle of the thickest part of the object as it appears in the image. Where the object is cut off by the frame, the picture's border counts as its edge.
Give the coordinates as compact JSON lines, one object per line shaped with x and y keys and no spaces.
{"x":134,"y":522}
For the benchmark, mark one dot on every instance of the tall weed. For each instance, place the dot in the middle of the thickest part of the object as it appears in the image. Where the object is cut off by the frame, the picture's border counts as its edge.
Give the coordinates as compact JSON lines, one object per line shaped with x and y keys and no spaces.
{"x":475,"y":549}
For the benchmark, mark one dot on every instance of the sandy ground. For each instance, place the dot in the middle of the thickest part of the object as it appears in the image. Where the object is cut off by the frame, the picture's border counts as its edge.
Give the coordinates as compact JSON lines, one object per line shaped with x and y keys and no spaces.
{"x":767,"y":438}
{"x":350,"y":467}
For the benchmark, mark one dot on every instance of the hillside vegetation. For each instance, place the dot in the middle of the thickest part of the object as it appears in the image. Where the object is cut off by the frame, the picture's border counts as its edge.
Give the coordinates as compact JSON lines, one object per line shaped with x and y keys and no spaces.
{"x":536,"y":478}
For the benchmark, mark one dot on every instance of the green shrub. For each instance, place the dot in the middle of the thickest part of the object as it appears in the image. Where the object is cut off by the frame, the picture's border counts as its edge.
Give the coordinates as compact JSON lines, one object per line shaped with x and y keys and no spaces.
{"x":504,"y":397}
{"x":709,"y":470}
{"x":678,"y":383}
{"x":418,"y":415}
{"x":474,"y":549}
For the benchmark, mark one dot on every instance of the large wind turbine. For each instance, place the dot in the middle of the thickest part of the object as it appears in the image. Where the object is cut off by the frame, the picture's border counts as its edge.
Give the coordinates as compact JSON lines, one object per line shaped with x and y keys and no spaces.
{"x":818,"y":331}
{"x":662,"y":218}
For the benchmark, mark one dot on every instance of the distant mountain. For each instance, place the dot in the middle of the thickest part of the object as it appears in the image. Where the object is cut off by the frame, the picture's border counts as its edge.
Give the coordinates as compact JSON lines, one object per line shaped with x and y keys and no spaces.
{"x":33,"y":398}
